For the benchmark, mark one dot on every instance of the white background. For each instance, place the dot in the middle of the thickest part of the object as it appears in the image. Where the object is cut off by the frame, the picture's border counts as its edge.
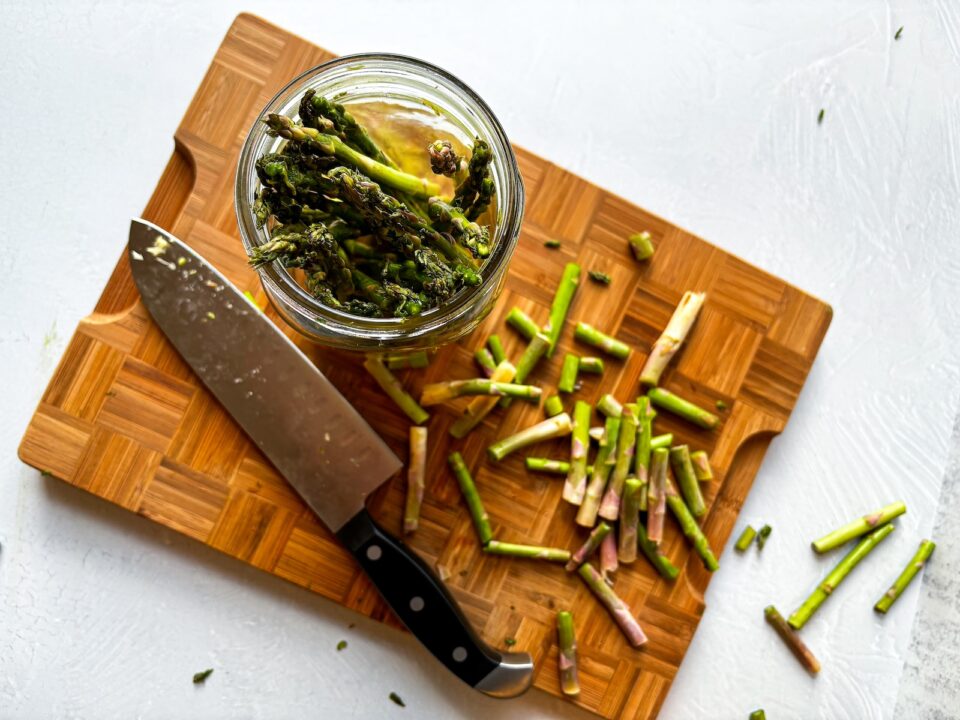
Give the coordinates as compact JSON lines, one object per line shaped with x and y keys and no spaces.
{"x":704,"y":113}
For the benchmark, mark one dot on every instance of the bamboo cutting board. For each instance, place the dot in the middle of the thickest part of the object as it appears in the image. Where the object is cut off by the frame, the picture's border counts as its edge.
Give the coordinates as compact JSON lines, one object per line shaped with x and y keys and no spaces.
{"x":124,"y":417}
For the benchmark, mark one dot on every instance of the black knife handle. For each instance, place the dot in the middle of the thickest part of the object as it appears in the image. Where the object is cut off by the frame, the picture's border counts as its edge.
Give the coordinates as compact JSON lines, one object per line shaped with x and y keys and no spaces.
{"x":422,"y":602}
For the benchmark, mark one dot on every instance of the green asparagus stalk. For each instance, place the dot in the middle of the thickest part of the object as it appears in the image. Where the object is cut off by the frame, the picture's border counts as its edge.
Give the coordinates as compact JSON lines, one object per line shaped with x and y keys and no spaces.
{"x":672,"y":337}
{"x":596,"y":434}
{"x":683,"y":408}
{"x":626,"y":447}
{"x":481,"y":406}
{"x":657,"y":496}
{"x":792,"y":639}
{"x":522,"y":323}
{"x":485,"y":360}
{"x":661,"y":441}
{"x":762,"y":535}
{"x":415,"y":478}
{"x":554,"y":467}
{"x":591,"y":365}
{"x":608,"y":559}
{"x":758,"y":714}
{"x":609,"y":406}
{"x":746,"y":539}
{"x":561,"y":304}
{"x":553,"y":406}
{"x":701,"y":465}
{"x":496,"y":349}
{"x":629,"y":520}
{"x":394,"y":389}
{"x":534,"y":552}
{"x":690,"y":528}
{"x":599,"y":277}
{"x":906,"y":577}
{"x":568,"y":373}
{"x":644,"y":439}
{"x":567,"y":658}
{"x":614,"y":605}
{"x":686,"y":479}
{"x":481,"y":521}
{"x":418,"y":359}
{"x":590,"y":335}
{"x":641,"y":245}
{"x":837,"y":575}
{"x":589,"y":546}
{"x":550,"y":428}
{"x":859,"y":527}
{"x":528,"y":361}
{"x":651,"y":551}
{"x":436,"y":393}
{"x":587,"y":515}
{"x":576,"y":484}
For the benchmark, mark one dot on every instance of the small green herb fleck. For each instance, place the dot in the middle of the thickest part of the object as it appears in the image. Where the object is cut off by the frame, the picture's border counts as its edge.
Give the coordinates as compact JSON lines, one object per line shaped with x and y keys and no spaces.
{"x":202,"y":676}
{"x":397,"y":699}
{"x":552,"y":244}
{"x":820,"y":116}
{"x":510,"y":642}
{"x":599,"y":277}
{"x":762,"y":536}
{"x":46,"y":473}
{"x":342,"y":645}
{"x":721,"y":405}
{"x":896,"y":35}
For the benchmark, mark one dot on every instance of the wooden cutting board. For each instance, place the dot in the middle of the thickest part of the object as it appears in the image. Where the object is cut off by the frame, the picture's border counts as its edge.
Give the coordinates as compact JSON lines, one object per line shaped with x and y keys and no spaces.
{"x":125,"y":418}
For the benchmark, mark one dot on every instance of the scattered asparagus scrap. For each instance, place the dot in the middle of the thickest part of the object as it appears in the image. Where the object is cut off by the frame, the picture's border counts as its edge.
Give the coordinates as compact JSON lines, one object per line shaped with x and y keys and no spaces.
{"x":481,"y":521}
{"x":588,"y":334}
{"x":553,"y":406}
{"x":641,"y":245}
{"x":534,"y":552}
{"x":626,"y":447}
{"x":415,"y":478}
{"x":758,"y":714}
{"x":746,"y":539}
{"x":906,"y":577}
{"x":389,"y":383}
{"x":556,"y":467}
{"x":762,"y":535}
{"x":614,"y":605}
{"x":683,"y":408}
{"x":551,"y":244}
{"x":496,"y":349}
{"x":436,"y":393}
{"x":342,"y":645}
{"x":568,"y":373}
{"x":481,"y":406}
{"x":417,"y":360}
{"x":396,"y":699}
{"x":629,"y":520}
{"x":608,"y":559}
{"x":687,"y":480}
{"x":528,"y":361}
{"x":609,"y":406}
{"x":587,"y":515}
{"x":593,"y":541}
{"x":690,"y":528}
{"x":561,"y":304}
{"x":859,"y":527}
{"x":484,"y":359}
{"x":701,"y":465}
{"x":641,"y":468}
{"x":567,"y":660}
{"x":592,"y":365}
{"x":550,"y":428}
{"x":806,"y":610}
{"x":652,"y":552}
{"x":672,"y":337}
{"x":601,"y":278}
{"x":792,"y":639}
{"x":201,"y":677}
{"x":522,"y":323}
{"x":576,"y":484}
{"x":657,"y":496}
{"x":662,"y":441}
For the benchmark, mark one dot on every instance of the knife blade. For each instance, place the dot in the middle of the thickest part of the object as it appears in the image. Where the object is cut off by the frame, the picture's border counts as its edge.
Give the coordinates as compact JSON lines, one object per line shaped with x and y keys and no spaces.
{"x":314,"y":438}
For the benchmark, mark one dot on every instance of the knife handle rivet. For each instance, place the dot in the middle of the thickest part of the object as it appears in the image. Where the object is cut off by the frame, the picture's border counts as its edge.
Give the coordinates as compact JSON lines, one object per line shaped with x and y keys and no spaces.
{"x":459,"y":654}
{"x":374,"y":552}
{"x":416,"y":603}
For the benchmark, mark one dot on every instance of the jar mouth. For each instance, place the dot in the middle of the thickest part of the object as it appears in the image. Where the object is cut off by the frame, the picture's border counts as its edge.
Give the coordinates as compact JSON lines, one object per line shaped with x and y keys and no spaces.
{"x":403,"y":78}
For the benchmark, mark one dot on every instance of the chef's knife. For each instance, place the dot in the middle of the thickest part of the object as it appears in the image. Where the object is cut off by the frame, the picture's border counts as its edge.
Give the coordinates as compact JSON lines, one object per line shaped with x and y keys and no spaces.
{"x":314,"y":438}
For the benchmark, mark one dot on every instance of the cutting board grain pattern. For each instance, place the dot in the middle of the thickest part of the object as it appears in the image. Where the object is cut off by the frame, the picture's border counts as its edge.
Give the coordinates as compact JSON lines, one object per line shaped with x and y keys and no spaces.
{"x":124,"y":417}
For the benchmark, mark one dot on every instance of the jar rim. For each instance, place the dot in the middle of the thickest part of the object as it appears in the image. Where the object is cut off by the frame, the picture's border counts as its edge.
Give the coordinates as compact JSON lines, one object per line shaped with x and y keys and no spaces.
{"x":506,"y":232}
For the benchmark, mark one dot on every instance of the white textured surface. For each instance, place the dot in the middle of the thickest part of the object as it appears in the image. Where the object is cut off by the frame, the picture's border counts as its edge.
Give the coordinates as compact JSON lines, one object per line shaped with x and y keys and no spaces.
{"x":705,"y":114}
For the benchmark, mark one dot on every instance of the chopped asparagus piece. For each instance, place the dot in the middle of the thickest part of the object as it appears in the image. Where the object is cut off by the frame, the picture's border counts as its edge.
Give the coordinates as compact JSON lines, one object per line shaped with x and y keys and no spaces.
{"x":690,"y":528}
{"x":481,"y":521}
{"x":394,"y":389}
{"x":415,"y":478}
{"x":916,"y":564}
{"x":661,"y":441}
{"x":629,"y":520}
{"x":672,"y":337}
{"x":436,"y":393}
{"x":556,"y":467}
{"x":553,"y":406}
{"x":687,"y":480}
{"x":589,"y":546}
{"x":496,"y":349}
{"x":484,"y":359}
{"x":481,"y":406}
{"x":568,"y":373}
{"x":522,"y":323}
{"x":601,"y":278}
{"x":701,"y":465}
{"x":641,"y":245}
{"x":626,"y":447}
{"x":587,"y":515}
{"x":657,"y":496}
{"x":590,"y":335}
{"x":567,"y":659}
{"x":528,"y":361}
{"x":792,"y":639}
{"x":561,"y":304}
{"x":614,"y":605}
{"x":859,"y":527}
{"x":550,"y":428}
{"x":683,"y":408}
{"x":745,"y":539}
{"x":534,"y":552}
{"x":660,"y":562}
{"x":576,"y":483}
{"x":609,"y":406}
{"x":762,"y":536}
{"x":592,"y":365}
{"x":609,"y":563}
{"x":552,"y":244}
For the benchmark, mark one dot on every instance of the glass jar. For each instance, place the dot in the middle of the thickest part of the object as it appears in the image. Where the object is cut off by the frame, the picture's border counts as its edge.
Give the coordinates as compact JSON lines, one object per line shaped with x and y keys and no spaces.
{"x":406,"y":82}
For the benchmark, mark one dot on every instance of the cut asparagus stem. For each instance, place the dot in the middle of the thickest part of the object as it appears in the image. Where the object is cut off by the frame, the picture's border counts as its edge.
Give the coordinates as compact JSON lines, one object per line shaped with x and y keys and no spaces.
{"x":686,"y":479}
{"x":496,"y":349}
{"x":587,"y":515}
{"x":657,"y":496}
{"x":394,"y":389}
{"x":609,"y":406}
{"x":762,"y":535}
{"x":588,"y":334}
{"x":644,"y":492}
{"x":568,"y":373}
{"x":592,"y":365}
{"x":576,"y":484}
{"x":629,"y":519}
{"x":661,"y":441}
{"x":479,"y":407}
{"x":484,"y":359}
{"x":690,"y":528}
{"x":555,"y":467}
{"x":683,"y":408}
{"x":614,"y":605}
{"x":758,"y":714}
{"x":672,"y":337}
{"x":567,"y":658}
{"x":792,"y":639}
{"x":660,"y":562}
{"x":906,"y":577}
{"x":859,"y":527}
{"x":553,"y":406}
{"x":412,"y":360}
{"x":481,"y":521}
{"x":561,"y":304}
{"x":608,"y":559}
{"x":522,"y":323}
{"x":436,"y":393}
{"x":701,"y":465}
{"x":836,"y":576}
{"x":415,"y":479}
{"x":528,"y":361}
{"x":641,"y":245}
{"x":592,"y":542}
{"x":550,"y":428}
{"x":596,"y":434}
{"x":644,"y":438}
{"x":534,"y":552}
{"x":746,"y":539}
{"x":626,"y":447}
{"x":599,"y":277}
